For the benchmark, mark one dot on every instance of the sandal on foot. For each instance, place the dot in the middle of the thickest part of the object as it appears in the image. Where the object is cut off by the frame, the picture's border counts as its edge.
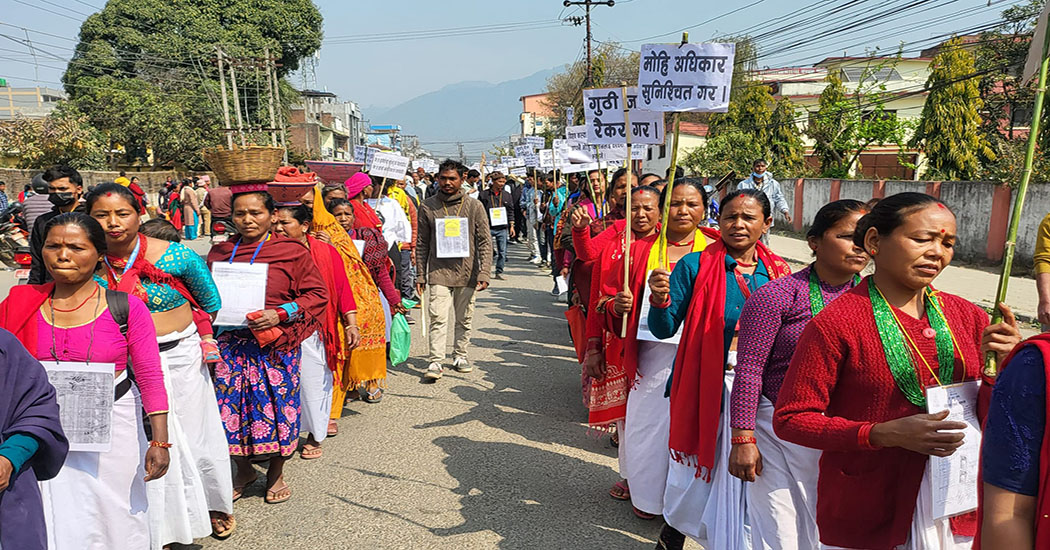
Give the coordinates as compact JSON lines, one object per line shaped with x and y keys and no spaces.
{"x":643,"y":515}
{"x":373,"y":396}
{"x":238,"y":490}
{"x":333,"y":428}
{"x":275,"y":491}
{"x":310,"y":452}
{"x":620,"y":491}
{"x":218,"y":529}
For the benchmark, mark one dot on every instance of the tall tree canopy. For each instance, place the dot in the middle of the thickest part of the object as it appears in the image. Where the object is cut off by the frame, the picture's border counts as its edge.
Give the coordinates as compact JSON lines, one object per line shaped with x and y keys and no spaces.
{"x":144,"y":71}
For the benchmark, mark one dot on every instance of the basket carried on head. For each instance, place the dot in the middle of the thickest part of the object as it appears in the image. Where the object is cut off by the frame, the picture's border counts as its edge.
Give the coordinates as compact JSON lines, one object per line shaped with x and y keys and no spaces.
{"x":244,"y":164}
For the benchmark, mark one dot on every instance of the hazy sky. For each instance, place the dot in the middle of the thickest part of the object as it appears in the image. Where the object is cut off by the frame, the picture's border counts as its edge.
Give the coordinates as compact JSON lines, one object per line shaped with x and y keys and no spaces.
{"x":375,"y":53}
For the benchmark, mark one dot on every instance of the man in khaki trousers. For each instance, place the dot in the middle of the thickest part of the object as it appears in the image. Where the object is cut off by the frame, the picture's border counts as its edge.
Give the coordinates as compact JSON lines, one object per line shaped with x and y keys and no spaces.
{"x":454,"y":253}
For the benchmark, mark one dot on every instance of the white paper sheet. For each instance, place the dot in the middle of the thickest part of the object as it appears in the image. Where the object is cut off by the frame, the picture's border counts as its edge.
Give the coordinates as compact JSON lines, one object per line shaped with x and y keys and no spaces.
{"x":953,"y":479}
{"x":360,"y":246}
{"x":498,"y":216}
{"x":453,"y":238}
{"x":643,"y":320}
{"x":563,"y":284}
{"x":242,"y":287}
{"x":85,"y":402}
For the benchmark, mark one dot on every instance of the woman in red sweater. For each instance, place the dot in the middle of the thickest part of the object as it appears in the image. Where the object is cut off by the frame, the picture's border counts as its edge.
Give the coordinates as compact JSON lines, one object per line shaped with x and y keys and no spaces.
{"x":857,"y":393}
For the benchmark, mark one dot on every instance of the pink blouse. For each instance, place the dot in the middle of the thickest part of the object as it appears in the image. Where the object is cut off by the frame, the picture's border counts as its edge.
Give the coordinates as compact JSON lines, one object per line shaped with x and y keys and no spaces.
{"x":107,"y":345}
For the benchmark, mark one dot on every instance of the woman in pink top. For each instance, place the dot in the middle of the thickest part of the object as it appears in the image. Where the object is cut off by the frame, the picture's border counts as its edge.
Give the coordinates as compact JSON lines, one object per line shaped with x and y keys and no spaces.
{"x":98,"y":499}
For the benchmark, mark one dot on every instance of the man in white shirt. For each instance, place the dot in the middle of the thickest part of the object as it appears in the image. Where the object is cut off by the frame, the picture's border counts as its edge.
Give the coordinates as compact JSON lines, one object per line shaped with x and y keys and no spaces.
{"x":763,"y":181}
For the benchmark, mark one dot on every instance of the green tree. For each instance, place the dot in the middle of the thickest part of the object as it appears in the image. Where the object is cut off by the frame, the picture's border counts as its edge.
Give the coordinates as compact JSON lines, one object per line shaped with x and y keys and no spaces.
{"x":847,"y":123}
{"x":62,"y":137}
{"x":769,"y":125}
{"x":949,"y":130}
{"x":612,"y":65}
{"x":144,"y":72}
{"x":785,"y":139}
{"x":731,"y":150}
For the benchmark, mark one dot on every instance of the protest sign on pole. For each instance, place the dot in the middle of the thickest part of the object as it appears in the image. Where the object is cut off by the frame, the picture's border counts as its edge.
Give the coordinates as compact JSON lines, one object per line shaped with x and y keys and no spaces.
{"x":531,"y":160}
{"x":519,"y":171}
{"x":360,"y":152}
{"x":521,"y":150}
{"x":604,"y":116}
{"x":576,"y":134}
{"x":388,"y":165}
{"x":686,"y":77}
{"x":370,"y":154}
{"x":506,"y":160}
{"x":536,"y":142}
{"x":546,"y":159}
{"x":570,"y":114}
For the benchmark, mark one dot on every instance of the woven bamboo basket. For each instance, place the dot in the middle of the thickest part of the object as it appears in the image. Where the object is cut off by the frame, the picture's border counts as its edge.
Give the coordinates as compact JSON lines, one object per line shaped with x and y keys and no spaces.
{"x":244,"y":164}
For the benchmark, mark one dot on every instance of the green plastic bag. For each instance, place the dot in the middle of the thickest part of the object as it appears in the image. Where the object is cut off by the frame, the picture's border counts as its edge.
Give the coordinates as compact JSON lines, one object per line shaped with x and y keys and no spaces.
{"x":400,"y":336}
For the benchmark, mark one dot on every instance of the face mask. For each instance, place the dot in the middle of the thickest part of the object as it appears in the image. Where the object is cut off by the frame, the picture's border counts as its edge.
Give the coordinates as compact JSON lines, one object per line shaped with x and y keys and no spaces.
{"x":61,"y":199}
{"x":756,"y":175}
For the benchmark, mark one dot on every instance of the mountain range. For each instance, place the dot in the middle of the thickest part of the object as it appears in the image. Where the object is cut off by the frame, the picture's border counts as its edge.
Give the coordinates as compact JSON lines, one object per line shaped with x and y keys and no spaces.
{"x":468,"y":111}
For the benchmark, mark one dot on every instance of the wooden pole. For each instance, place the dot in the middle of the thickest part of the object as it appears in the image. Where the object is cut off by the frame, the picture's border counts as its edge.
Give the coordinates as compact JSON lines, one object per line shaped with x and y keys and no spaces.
{"x":225,"y":101}
{"x":991,"y":366}
{"x":662,"y":242}
{"x":277,"y":98}
{"x":627,"y":229}
{"x":237,"y":106}
{"x":269,"y":97}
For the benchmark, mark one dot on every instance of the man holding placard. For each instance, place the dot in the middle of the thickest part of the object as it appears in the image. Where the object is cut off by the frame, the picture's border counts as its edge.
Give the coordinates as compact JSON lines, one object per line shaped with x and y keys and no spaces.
{"x":499,"y":203}
{"x":454,"y":253}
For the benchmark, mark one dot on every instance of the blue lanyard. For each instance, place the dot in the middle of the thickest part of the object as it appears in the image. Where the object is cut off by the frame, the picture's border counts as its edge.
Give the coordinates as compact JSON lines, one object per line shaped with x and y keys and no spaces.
{"x":131,"y":260}
{"x":265,"y":238}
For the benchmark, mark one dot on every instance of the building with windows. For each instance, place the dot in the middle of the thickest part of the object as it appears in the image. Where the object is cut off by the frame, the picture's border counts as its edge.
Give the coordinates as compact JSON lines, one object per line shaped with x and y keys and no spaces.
{"x":323,"y":127}
{"x":28,"y":102}
{"x":536,"y":114}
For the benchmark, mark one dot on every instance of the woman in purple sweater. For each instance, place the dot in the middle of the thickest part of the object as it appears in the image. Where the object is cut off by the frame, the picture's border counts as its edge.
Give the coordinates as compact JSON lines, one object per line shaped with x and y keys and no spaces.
{"x":784,"y":475}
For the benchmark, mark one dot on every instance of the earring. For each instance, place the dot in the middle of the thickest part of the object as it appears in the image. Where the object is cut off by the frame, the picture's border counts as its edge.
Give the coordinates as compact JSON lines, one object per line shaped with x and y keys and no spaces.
{"x":874,"y":251}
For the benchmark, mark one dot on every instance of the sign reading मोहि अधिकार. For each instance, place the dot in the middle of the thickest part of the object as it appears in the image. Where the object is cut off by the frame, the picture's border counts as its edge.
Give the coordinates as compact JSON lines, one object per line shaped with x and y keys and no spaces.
{"x":388,"y":165}
{"x":603,"y":114}
{"x":537,"y":142}
{"x":360,"y":152}
{"x":685,"y":78}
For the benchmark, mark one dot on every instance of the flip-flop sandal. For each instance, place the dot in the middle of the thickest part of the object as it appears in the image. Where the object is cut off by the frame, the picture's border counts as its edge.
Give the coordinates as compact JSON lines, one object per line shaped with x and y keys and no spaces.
{"x":310,"y":453}
{"x":238,"y":490}
{"x":274,"y":492}
{"x":217,"y":531}
{"x":374,"y":396}
{"x":643,"y":515}
{"x":620,"y":490}
{"x":333,"y":428}
{"x":614,"y":440}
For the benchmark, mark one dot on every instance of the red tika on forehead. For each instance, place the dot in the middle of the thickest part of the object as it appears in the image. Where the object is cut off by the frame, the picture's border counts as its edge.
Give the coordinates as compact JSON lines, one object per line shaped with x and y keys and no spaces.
{"x":109,"y":194}
{"x":939,"y":205}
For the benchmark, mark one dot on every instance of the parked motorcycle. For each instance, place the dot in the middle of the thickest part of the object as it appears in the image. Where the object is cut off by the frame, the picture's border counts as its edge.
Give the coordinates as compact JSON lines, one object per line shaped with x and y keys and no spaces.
{"x":221,"y":230}
{"x":14,"y":238}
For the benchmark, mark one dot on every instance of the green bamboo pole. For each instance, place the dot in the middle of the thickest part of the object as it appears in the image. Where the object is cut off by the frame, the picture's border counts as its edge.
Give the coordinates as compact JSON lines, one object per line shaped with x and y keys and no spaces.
{"x":991,"y":366}
{"x":627,"y":231}
{"x":662,"y":242}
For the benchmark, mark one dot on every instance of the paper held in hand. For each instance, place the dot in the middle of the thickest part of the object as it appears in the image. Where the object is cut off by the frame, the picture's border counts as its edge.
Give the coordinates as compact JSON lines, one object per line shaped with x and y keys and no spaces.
{"x":953,"y":479}
{"x":452,"y":238}
{"x":242,"y":288}
{"x":685,"y":78}
{"x":388,"y":165}
{"x":603,"y":113}
{"x":643,"y":320}
{"x":498,"y":216}
{"x":85,"y":402}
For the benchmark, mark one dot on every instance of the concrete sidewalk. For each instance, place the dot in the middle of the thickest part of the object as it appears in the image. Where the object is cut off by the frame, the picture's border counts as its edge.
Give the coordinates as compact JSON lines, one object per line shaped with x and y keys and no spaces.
{"x":973,"y":284}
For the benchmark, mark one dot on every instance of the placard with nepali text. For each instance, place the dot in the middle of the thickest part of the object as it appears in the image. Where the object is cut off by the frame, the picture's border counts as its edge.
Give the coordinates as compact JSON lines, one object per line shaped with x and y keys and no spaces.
{"x":537,"y":142}
{"x":603,"y":114}
{"x":687,"y":77}
{"x":388,"y":165}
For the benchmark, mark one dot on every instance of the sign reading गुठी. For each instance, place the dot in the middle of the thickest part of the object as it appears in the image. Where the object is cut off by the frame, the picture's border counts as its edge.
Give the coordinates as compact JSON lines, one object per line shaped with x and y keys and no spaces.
{"x":603,"y":114}
{"x":686,"y":77}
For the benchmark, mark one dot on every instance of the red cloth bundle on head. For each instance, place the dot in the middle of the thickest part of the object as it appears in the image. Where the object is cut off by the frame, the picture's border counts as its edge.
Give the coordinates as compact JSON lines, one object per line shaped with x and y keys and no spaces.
{"x":292,"y":174}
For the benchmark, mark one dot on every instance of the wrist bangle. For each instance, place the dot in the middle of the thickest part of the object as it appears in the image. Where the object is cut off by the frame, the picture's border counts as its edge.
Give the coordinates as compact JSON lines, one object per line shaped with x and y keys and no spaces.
{"x":744,"y":440}
{"x":161,"y":444}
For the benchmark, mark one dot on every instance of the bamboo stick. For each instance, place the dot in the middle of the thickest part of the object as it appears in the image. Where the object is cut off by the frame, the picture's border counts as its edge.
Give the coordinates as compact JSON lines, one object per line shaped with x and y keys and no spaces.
{"x":991,"y":366}
{"x":627,"y":229}
{"x":665,"y":217}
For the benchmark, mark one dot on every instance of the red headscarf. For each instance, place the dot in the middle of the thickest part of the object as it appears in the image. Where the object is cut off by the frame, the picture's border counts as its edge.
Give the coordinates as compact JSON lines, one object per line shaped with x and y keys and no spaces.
{"x":696,"y":389}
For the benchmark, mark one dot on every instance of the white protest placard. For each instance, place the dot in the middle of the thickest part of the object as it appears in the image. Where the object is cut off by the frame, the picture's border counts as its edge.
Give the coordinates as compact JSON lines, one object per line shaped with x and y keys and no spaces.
{"x":532,"y":160}
{"x":519,"y":171}
{"x":616,"y":152}
{"x":603,"y":114}
{"x":687,"y":77}
{"x":953,"y":479}
{"x":506,"y":160}
{"x":577,"y":134}
{"x":389,"y":165}
{"x":546,"y":159}
{"x":536,"y":142}
{"x":522,"y":150}
{"x":360,"y":152}
{"x":370,"y":154}
{"x":84,"y":392}
{"x":570,"y":113}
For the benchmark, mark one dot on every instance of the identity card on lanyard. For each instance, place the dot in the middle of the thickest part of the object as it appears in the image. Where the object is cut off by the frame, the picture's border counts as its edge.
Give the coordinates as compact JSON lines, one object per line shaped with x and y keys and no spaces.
{"x":85,"y":402}
{"x":452,"y":238}
{"x":498,"y":216}
{"x":952,"y":480}
{"x":242,"y":287}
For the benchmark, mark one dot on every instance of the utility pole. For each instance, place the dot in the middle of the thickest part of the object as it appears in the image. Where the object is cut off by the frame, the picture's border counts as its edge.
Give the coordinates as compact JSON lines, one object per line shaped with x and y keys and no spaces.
{"x":237,"y":106}
{"x":225,"y":102}
{"x":462,"y":158}
{"x":587,"y":8}
{"x":269,"y":97}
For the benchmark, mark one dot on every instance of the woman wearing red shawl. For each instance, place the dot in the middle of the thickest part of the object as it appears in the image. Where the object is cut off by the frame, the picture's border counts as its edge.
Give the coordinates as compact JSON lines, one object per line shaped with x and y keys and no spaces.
{"x":324,"y":351}
{"x":257,"y":383}
{"x":630,"y":384}
{"x":605,"y":215}
{"x":859,"y":394}
{"x":174,"y":282}
{"x":364,"y":215}
{"x":703,"y":297}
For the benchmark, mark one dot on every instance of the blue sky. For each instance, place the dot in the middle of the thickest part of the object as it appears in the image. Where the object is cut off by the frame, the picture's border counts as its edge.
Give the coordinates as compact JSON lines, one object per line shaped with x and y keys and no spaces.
{"x":394,"y":63}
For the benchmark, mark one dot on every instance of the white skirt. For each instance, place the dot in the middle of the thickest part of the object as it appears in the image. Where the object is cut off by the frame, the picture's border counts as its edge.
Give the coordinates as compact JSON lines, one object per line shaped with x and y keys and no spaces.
{"x":315,"y":379}
{"x":782,"y":502}
{"x":713,"y":514}
{"x":643,"y":443}
{"x":927,"y":533}
{"x":98,"y":500}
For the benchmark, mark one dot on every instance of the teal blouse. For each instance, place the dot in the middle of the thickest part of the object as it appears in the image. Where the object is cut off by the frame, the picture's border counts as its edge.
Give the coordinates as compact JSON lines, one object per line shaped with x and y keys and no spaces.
{"x":183,"y":263}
